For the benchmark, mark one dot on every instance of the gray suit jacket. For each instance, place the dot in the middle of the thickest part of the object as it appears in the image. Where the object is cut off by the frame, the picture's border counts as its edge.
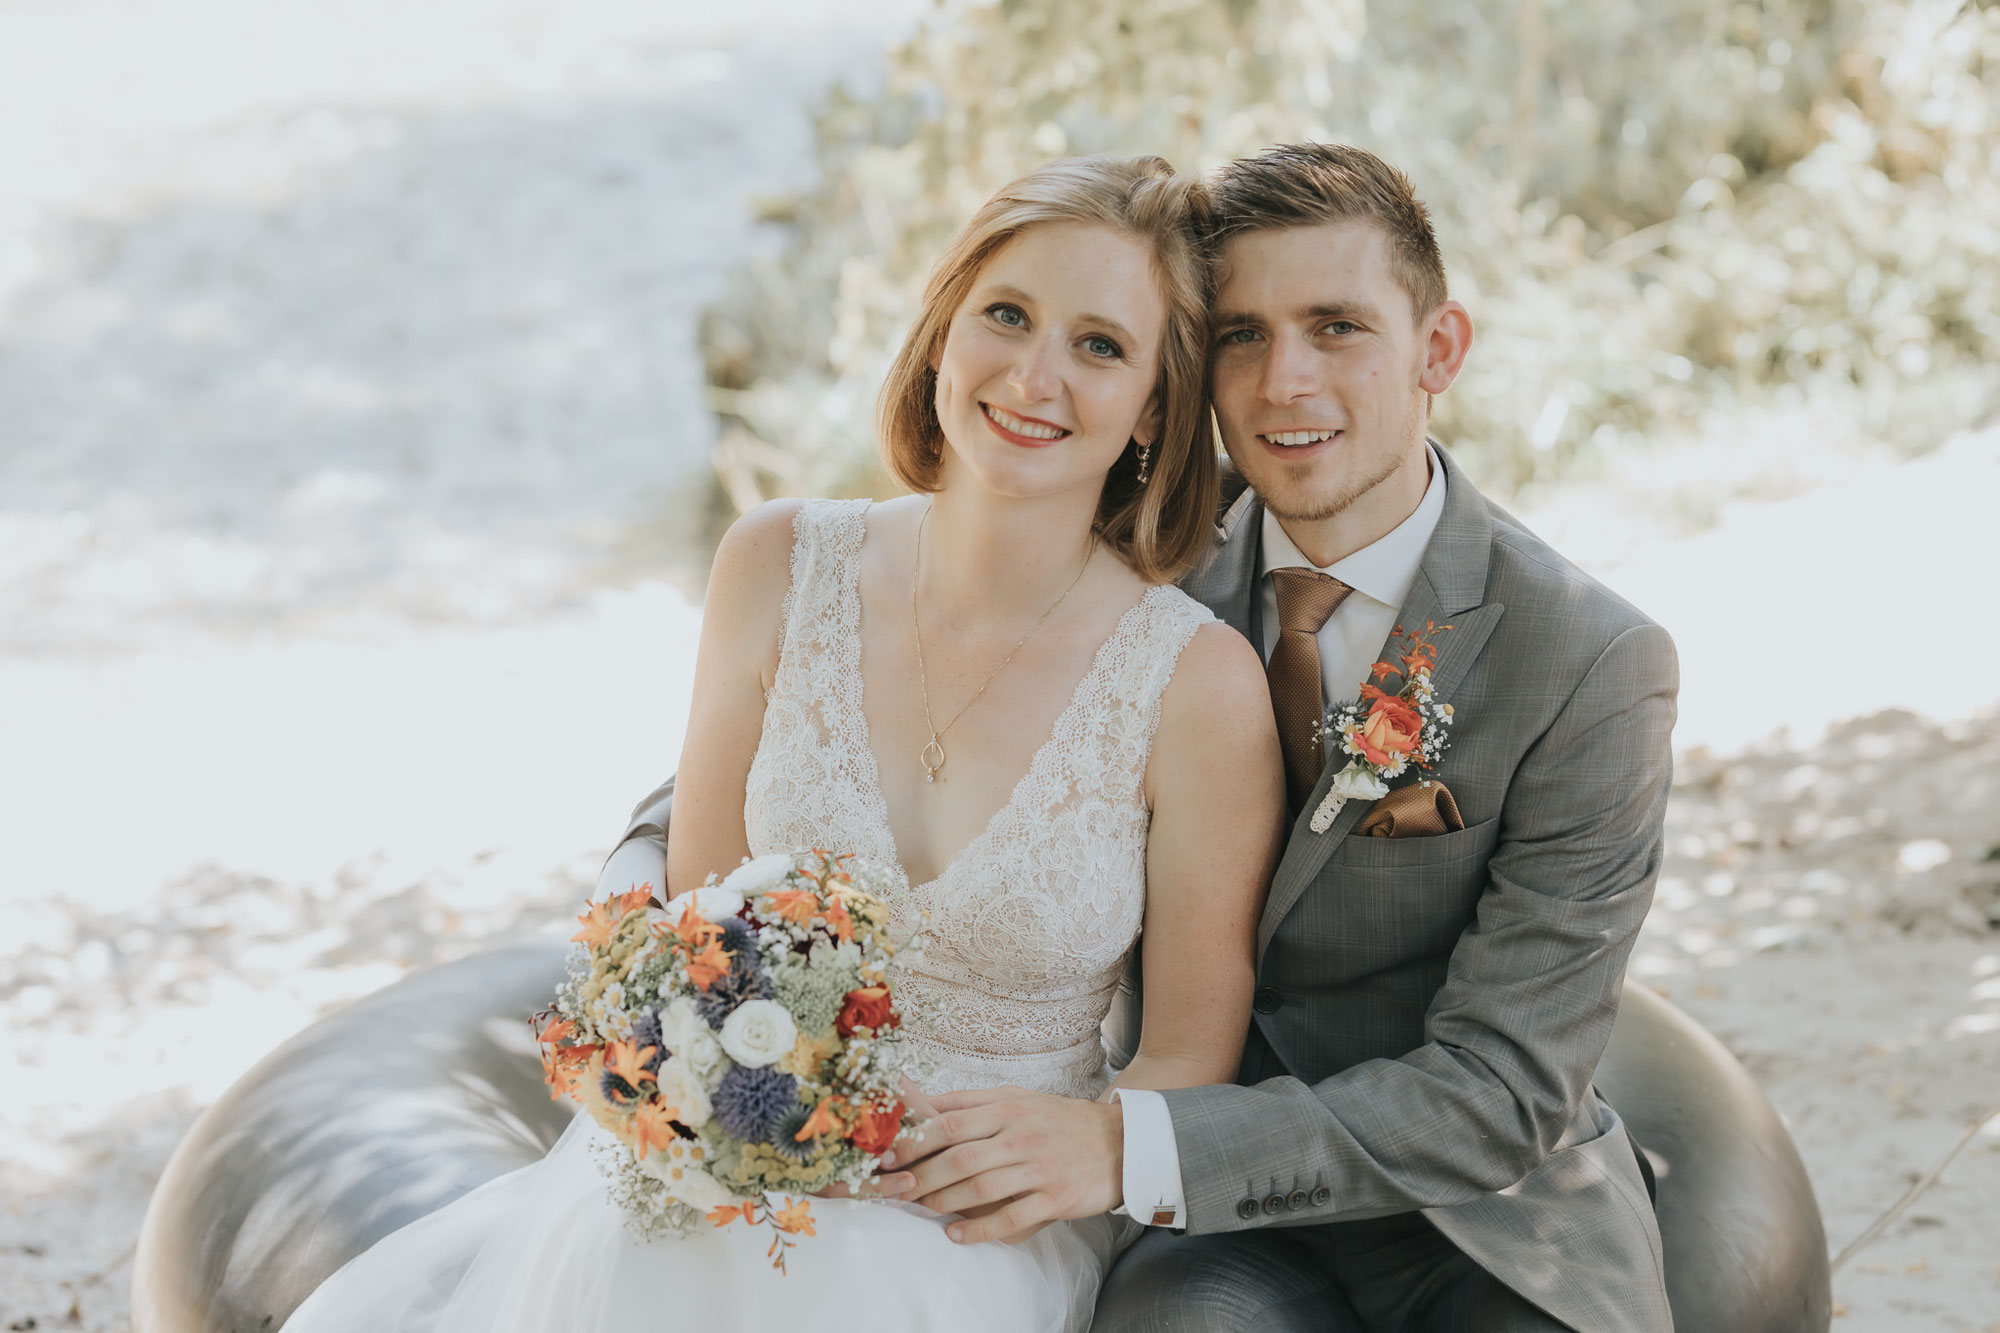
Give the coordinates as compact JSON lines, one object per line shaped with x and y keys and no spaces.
{"x":1431,"y":1010}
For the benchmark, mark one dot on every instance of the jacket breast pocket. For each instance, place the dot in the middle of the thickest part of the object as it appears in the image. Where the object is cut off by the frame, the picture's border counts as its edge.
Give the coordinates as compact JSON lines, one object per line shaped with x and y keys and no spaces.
{"x":1466,"y":846}
{"x":1402,"y":899}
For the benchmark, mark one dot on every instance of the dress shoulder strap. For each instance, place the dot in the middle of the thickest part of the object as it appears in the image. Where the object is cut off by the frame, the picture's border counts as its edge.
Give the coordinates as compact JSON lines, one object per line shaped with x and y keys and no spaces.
{"x":1123,"y":708}
{"x":1161,"y":635}
{"x":822,"y":608}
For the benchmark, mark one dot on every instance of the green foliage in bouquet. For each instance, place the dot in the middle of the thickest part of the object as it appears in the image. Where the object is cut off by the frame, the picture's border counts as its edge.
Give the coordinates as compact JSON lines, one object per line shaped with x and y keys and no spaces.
{"x":1656,"y":209}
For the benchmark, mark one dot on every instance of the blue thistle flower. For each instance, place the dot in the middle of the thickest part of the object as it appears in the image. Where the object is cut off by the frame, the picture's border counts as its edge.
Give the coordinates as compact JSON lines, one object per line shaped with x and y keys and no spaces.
{"x":616,"y":1090}
{"x":646,"y":1032}
{"x":784,"y":1135}
{"x":747,"y":980}
{"x":751,"y":1102}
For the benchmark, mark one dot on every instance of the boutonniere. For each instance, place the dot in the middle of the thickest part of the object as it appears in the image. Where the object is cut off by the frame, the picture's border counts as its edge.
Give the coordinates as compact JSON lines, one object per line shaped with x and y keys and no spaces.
{"x":1385,"y":733}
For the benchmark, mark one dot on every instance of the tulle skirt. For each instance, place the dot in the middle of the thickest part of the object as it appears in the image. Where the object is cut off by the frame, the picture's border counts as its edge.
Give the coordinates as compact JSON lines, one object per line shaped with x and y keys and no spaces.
{"x":543,"y":1250}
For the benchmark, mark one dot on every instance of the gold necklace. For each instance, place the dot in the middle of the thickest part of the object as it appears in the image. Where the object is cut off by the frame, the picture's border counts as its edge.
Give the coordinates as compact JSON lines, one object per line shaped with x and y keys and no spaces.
{"x":935,"y":746}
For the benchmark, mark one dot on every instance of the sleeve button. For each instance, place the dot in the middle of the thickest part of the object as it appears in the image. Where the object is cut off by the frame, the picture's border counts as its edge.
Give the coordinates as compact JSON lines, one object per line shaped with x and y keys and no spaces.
{"x":1274,"y":1205}
{"x":1247,"y":1209}
{"x":1295,"y":1200}
{"x":1321,"y":1197}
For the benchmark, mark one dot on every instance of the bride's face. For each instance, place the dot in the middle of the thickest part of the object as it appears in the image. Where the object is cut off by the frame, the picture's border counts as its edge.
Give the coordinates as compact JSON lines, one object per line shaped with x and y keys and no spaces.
{"x":1049,"y":367}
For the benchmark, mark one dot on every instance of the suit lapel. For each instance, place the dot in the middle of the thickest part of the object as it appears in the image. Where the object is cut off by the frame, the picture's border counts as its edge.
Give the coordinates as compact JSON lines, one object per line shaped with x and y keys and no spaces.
{"x":1450,"y":583}
{"x":1226,"y":579}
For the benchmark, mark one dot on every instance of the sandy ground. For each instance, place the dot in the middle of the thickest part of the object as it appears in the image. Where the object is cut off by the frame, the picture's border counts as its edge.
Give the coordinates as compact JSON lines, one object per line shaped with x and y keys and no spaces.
{"x":346,"y":383}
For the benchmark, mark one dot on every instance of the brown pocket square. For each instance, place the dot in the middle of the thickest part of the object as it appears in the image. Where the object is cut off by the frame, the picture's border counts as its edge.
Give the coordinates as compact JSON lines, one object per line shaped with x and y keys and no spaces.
{"x":1423,"y":809}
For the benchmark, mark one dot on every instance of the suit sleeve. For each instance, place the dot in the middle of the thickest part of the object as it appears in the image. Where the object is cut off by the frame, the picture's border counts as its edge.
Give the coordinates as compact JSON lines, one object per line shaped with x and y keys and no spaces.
{"x":1513,"y":1037}
{"x":649,"y":819}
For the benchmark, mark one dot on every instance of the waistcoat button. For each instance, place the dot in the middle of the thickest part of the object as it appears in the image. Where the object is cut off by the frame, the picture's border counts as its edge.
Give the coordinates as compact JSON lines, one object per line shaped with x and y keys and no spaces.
{"x":1267,"y":1000}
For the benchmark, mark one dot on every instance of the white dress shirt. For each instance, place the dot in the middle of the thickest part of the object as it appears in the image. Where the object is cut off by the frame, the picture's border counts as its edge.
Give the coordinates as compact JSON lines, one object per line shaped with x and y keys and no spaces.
{"x":1381,"y":574}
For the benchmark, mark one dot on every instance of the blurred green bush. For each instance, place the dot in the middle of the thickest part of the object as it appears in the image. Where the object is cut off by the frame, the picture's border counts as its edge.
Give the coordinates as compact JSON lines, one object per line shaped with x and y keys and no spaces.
{"x":1658,"y":210}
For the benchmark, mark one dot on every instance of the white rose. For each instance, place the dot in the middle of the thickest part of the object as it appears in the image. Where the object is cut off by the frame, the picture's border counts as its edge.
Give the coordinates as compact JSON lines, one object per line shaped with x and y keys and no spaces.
{"x":712,"y":902}
{"x":679,"y":1022}
{"x":758,"y":1032}
{"x":682,"y":1091}
{"x":1357,"y":783}
{"x":702,"y":1054}
{"x":759,"y":876}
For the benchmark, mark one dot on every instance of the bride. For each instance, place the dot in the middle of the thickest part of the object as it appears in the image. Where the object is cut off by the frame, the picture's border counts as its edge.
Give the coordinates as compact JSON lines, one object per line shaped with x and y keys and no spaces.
{"x":992,"y":686}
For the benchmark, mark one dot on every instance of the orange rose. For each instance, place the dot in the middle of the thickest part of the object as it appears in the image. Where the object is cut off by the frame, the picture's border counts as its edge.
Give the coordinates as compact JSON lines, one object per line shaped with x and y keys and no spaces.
{"x":876,"y":1128}
{"x":866,"y":1008}
{"x":1392,"y":729}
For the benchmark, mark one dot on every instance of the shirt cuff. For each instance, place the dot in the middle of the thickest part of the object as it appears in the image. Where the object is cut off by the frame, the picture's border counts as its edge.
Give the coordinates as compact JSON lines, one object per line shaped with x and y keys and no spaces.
{"x":1152,"y":1159}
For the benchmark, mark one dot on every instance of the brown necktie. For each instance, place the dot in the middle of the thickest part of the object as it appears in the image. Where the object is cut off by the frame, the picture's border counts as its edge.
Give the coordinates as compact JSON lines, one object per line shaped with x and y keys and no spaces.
{"x":1306,"y":598}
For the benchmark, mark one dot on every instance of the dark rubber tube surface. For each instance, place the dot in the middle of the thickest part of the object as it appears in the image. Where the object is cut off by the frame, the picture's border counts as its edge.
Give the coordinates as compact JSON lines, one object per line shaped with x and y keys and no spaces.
{"x":403,"y":1101}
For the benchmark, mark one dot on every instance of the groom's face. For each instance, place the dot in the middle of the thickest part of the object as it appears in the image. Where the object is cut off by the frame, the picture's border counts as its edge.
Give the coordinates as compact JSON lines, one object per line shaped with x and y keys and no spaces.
{"x":1317,"y":367}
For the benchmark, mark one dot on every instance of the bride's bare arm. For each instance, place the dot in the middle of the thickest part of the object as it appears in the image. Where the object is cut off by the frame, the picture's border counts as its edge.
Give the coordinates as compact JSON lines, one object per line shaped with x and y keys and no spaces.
{"x":736,"y":663}
{"x":1215,"y":782}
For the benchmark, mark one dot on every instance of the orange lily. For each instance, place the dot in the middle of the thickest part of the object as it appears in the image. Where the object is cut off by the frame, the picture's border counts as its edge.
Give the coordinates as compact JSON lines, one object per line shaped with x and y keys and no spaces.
{"x":652,"y":1127}
{"x":600,"y":920}
{"x":560,"y":1030}
{"x":723,"y":1216}
{"x":568,"y":1064}
{"x":696,"y":930}
{"x":821,"y":1122}
{"x":795,"y":1219}
{"x":627,"y":1061}
{"x":709,"y":966}
{"x":797,"y":906}
{"x":838,"y":921}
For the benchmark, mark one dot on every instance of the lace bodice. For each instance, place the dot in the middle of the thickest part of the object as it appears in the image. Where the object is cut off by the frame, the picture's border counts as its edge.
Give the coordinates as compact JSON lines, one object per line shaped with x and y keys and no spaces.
{"x":1030,"y":924}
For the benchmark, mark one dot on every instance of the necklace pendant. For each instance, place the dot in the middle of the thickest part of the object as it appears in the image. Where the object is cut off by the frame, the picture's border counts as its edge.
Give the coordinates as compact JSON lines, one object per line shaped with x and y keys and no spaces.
{"x":932,"y":764}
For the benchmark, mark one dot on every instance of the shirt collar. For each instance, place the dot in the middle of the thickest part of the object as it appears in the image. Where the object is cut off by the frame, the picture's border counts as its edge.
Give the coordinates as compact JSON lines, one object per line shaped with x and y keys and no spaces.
{"x":1385,"y":568}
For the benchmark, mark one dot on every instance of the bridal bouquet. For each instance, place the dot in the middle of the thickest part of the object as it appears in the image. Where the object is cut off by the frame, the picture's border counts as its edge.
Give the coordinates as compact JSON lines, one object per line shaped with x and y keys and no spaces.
{"x":742,"y":1040}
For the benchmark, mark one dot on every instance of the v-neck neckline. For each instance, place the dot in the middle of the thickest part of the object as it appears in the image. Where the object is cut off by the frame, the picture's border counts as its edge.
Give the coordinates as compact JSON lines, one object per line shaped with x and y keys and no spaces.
{"x":871,"y":774}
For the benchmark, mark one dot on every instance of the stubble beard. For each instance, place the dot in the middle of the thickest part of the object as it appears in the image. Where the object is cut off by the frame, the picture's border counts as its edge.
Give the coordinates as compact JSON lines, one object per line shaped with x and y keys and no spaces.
{"x":1309,"y":508}
{"x":1316,"y":509}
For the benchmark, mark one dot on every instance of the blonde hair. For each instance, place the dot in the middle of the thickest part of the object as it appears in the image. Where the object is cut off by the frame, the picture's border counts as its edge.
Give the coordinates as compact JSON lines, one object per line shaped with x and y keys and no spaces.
{"x":1159,"y":528}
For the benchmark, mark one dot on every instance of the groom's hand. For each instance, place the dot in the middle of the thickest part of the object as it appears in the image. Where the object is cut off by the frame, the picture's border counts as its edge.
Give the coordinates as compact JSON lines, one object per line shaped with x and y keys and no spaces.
{"x":1018,"y":1160}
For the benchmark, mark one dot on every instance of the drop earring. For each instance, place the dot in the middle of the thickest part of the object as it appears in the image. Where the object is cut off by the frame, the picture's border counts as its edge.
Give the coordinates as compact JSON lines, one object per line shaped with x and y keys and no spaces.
{"x":1145,"y":461}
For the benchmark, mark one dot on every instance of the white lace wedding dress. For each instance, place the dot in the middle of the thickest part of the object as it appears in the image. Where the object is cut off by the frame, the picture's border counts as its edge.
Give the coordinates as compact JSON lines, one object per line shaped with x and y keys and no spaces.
{"x":1029,"y":928}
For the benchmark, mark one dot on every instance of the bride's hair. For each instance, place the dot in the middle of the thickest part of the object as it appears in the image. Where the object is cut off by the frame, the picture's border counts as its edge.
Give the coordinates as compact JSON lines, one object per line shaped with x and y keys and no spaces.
{"x":1159,"y":528}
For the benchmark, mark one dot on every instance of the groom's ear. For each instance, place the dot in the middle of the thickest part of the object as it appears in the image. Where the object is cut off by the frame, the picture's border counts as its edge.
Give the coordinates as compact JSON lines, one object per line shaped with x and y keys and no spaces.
{"x":1446,"y":338}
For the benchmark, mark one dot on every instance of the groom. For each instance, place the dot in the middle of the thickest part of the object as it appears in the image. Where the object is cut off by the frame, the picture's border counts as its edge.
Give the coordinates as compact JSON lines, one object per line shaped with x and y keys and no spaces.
{"x":1414,"y":1142}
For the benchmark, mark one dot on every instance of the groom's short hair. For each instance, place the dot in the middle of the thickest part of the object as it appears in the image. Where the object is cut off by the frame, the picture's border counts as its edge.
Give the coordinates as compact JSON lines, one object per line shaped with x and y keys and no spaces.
{"x":1308,"y":184}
